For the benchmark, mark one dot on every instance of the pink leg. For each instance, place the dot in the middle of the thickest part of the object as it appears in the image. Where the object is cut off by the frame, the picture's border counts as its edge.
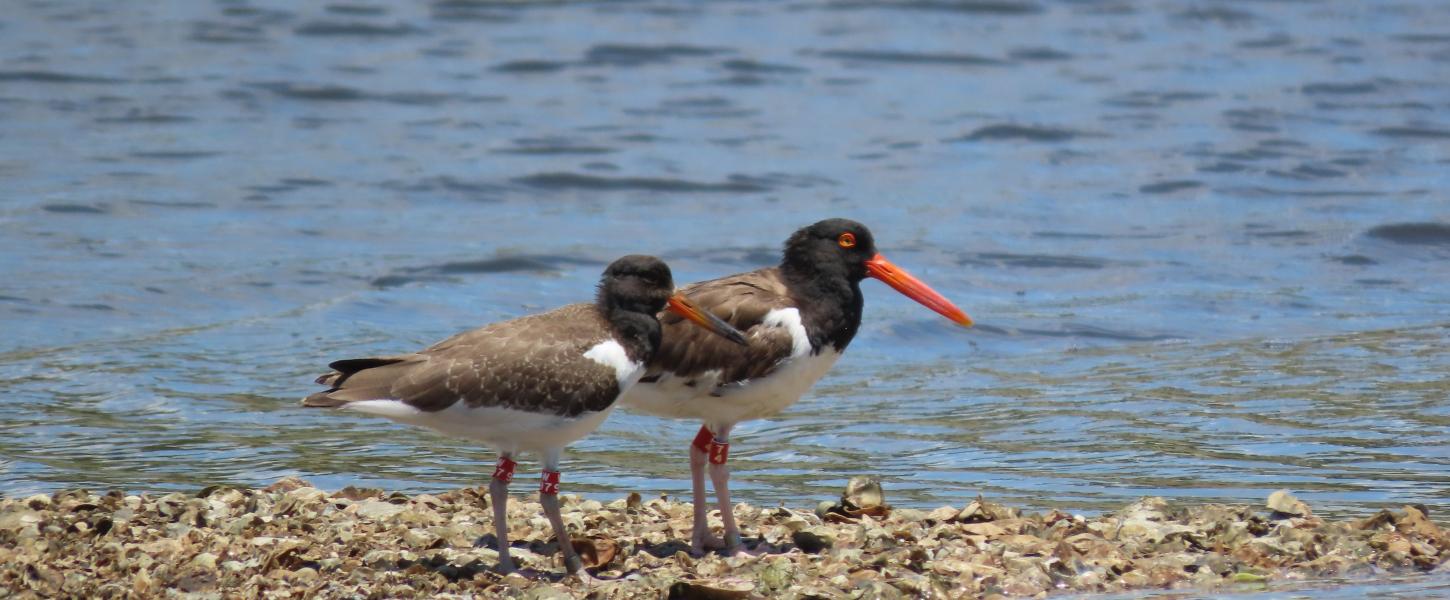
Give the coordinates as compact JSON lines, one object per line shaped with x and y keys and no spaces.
{"x":701,"y":540}
{"x":549,"y":500}
{"x":718,"y":455}
{"x":498,"y":495}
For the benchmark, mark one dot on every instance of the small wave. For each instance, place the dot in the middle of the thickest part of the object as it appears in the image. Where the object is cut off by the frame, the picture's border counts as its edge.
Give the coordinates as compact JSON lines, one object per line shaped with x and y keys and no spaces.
{"x":137,"y":117}
{"x":1437,"y":234}
{"x":175,"y":154}
{"x":555,"y":149}
{"x":533,"y":263}
{"x":1268,"y":192}
{"x":1218,"y":14}
{"x":1031,"y":133}
{"x":632,"y":55}
{"x":1254,"y":120}
{"x":325,"y":92}
{"x":208,"y":32}
{"x":1339,"y":88}
{"x":759,"y":68}
{"x":177,"y":204}
{"x":76,"y":209}
{"x":530,"y":66}
{"x":564,"y":181}
{"x":709,"y":107}
{"x":1147,"y":99}
{"x":358,"y":29}
{"x":1415,"y":132}
{"x":55,"y":77}
{"x":359,"y":10}
{"x":1309,"y":171}
{"x":1078,"y":330}
{"x":1277,"y":40}
{"x":473,"y":190}
{"x":1281,"y":234}
{"x":912,"y":58}
{"x":1424,"y":38}
{"x":971,"y":7}
{"x":1074,"y":235}
{"x":1034,"y":261}
{"x":1168,"y":187}
{"x":1223,"y":166}
{"x":1357,"y":260}
{"x":1040,"y":53}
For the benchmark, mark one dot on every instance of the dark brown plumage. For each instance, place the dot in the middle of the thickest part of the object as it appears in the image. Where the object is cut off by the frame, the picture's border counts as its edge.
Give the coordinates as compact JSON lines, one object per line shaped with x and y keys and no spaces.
{"x":742,"y":300}
{"x":535,"y":363}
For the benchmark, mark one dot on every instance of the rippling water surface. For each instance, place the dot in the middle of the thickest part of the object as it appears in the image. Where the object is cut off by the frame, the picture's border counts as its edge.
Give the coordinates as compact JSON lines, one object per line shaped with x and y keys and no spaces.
{"x":1206,"y":242}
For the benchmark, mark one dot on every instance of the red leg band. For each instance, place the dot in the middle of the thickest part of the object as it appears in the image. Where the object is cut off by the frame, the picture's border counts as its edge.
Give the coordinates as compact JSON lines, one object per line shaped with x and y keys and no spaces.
{"x":504,"y":470}
{"x":719,"y":451}
{"x":549,"y":483}
{"x":703,"y":439}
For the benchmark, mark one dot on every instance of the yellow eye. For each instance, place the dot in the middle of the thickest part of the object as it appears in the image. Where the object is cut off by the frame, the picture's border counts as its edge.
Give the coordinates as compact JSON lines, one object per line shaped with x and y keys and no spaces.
{"x":847,"y":240}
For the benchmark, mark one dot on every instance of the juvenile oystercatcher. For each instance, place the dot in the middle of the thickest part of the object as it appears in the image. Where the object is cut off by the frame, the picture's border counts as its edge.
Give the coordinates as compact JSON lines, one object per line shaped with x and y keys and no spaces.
{"x":533,"y":384}
{"x":799,"y":318}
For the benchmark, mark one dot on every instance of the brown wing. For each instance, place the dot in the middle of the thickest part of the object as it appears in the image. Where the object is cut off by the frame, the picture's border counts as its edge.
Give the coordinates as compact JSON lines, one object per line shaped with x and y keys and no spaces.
{"x":534,"y":363}
{"x":741,"y":300}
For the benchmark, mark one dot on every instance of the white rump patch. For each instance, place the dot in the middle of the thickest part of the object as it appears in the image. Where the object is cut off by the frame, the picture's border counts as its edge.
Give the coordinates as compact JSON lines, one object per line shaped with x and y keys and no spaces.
{"x":610,"y":354}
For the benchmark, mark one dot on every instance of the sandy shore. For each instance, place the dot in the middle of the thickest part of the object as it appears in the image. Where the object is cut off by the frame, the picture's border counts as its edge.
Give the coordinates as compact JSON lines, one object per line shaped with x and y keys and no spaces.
{"x":293,"y":540}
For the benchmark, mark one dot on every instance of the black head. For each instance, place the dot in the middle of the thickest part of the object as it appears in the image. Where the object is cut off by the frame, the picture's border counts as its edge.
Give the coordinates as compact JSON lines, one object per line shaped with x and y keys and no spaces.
{"x":636,"y":283}
{"x":822,"y":255}
{"x":831,"y":246}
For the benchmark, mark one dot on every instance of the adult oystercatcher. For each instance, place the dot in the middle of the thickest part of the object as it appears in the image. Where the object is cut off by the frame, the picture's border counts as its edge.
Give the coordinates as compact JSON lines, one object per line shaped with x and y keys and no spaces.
{"x":533,"y":384}
{"x":799,"y":318}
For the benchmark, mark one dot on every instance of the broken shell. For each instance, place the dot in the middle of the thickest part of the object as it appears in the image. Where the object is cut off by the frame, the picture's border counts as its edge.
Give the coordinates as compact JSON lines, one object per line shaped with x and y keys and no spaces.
{"x":1285,"y":504}
{"x":863,"y":492}
{"x":596,"y":551}
{"x":719,"y":589}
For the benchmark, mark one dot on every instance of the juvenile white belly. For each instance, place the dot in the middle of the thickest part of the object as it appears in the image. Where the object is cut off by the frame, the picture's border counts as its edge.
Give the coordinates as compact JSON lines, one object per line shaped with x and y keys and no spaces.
{"x":504,"y":429}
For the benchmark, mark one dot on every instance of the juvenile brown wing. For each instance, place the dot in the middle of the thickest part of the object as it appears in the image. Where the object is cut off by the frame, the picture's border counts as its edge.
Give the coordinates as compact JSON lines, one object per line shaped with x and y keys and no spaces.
{"x":741,"y":300}
{"x":534,"y":363}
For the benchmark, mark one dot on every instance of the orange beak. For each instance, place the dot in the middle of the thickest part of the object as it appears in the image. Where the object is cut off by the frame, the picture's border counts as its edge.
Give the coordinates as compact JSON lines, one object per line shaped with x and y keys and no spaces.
{"x":914,"y":288}
{"x":682,"y":306}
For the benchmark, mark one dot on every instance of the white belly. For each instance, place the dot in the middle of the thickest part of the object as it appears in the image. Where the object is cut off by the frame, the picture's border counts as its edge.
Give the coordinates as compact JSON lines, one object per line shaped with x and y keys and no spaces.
{"x":753,"y":399}
{"x":742,"y":401}
{"x":504,"y":429}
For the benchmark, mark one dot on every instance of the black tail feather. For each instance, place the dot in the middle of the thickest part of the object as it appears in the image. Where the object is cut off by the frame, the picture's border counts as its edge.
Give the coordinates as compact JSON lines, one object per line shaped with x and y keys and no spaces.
{"x":352,"y":365}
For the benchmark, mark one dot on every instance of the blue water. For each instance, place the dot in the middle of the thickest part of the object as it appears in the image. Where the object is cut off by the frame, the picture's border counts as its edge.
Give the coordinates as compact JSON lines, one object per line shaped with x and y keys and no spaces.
{"x":1206,"y":242}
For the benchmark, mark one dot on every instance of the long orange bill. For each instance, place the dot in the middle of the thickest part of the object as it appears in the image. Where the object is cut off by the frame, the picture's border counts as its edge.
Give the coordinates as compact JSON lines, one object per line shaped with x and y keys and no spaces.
{"x":914,"y":288}
{"x":682,"y":306}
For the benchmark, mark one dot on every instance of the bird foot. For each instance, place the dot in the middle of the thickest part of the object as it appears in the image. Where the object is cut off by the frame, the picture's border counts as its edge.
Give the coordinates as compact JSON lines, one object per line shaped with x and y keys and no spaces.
{"x":505,"y":566}
{"x":702,"y":543}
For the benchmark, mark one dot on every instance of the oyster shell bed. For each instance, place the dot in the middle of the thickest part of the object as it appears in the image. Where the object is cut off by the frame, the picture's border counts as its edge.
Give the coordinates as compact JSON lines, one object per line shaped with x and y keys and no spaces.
{"x":293,"y":540}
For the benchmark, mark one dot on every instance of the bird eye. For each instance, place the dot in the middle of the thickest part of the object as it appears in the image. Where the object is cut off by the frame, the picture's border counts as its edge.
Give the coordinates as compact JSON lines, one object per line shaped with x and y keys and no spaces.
{"x":847,"y":240}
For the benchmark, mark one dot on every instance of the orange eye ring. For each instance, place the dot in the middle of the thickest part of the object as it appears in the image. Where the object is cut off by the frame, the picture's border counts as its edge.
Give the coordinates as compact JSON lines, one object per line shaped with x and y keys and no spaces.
{"x":847,"y":240}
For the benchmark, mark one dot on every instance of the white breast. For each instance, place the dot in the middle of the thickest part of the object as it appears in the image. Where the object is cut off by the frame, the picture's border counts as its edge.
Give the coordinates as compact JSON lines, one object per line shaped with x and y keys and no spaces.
{"x":741,"y":401}
{"x":610,"y":354}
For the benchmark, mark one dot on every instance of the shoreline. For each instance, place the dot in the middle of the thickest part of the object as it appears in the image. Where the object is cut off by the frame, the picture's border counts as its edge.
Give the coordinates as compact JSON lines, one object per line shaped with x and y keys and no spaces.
{"x":293,"y":539}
